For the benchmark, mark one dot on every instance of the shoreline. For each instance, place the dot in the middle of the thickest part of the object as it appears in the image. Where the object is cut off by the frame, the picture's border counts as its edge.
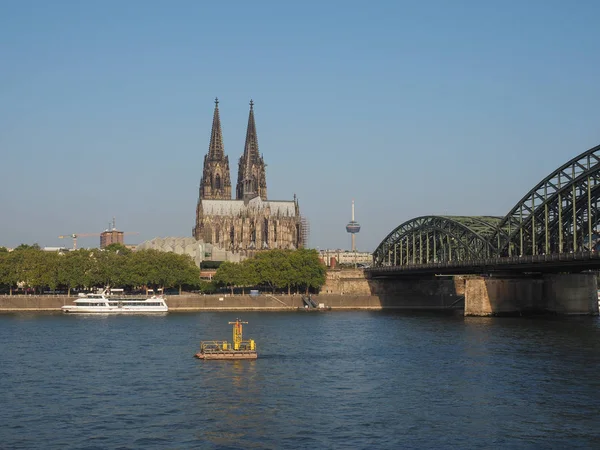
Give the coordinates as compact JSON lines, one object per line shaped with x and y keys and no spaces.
{"x":263,"y":302}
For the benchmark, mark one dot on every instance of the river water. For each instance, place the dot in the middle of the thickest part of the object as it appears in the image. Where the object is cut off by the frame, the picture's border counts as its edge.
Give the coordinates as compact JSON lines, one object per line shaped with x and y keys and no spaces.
{"x":347,"y":380}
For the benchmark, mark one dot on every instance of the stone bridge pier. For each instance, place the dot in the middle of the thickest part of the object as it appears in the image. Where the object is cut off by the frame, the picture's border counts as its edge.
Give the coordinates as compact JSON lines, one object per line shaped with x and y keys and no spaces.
{"x":569,"y":294}
{"x":432,"y":293}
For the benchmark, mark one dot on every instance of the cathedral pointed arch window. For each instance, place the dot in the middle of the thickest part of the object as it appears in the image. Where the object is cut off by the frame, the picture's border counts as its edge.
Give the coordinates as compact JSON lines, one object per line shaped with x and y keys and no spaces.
{"x":252,"y":235}
{"x":265,"y":233}
{"x":218,"y":182}
{"x":208,"y":234}
{"x":217,"y":233}
{"x":232,"y":236}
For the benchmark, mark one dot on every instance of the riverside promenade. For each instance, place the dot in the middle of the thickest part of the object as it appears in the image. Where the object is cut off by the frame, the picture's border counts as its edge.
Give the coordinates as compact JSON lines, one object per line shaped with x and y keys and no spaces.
{"x":196,"y":302}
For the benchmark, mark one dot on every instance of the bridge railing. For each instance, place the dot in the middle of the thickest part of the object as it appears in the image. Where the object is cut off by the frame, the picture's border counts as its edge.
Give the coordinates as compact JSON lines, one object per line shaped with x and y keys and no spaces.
{"x":491,"y":262}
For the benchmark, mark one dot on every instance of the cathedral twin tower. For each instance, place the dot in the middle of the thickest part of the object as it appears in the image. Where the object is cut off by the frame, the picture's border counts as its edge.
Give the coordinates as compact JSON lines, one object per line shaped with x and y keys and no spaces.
{"x":250,"y":222}
{"x":216,"y":182}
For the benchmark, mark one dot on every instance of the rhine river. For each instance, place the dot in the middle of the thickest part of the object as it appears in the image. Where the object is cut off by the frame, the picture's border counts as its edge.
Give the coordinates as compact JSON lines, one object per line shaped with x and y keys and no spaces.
{"x":326,"y":380}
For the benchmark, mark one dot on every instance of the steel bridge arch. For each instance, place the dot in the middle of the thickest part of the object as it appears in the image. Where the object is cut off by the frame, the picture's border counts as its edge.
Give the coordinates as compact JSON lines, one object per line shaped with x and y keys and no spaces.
{"x":559,"y":215}
{"x":438,"y":239}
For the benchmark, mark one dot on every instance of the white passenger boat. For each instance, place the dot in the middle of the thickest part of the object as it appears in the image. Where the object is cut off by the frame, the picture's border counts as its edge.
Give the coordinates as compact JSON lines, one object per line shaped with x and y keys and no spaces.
{"x":103,"y":303}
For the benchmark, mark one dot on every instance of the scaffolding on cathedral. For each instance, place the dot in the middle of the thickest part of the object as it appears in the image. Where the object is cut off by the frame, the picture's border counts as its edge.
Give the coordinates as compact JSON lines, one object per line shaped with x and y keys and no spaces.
{"x":304,"y":230}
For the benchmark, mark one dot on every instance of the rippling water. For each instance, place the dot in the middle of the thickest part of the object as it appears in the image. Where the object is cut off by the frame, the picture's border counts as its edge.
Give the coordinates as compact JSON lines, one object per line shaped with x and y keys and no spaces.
{"x":360,"y":380}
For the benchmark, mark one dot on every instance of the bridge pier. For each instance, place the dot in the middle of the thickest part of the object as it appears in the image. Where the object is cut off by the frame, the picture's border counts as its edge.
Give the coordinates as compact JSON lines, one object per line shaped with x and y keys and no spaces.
{"x":559,"y":294}
{"x":433,"y":293}
{"x":575,"y":293}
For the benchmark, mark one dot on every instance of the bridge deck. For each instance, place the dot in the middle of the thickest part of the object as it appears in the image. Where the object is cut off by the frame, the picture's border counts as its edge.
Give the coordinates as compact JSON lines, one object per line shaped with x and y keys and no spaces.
{"x":561,"y":262}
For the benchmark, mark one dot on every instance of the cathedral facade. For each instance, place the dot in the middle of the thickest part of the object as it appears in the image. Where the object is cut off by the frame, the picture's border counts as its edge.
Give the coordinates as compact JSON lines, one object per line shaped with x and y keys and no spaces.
{"x":250,"y":222}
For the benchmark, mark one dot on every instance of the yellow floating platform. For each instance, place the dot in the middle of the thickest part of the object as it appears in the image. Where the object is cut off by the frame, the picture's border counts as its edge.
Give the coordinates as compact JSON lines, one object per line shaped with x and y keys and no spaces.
{"x":224,"y":350}
{"x":241,"y":354}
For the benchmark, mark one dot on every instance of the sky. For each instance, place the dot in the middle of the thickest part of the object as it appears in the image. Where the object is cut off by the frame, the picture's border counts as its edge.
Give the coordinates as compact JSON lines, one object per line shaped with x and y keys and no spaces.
{"x":410,"y":108}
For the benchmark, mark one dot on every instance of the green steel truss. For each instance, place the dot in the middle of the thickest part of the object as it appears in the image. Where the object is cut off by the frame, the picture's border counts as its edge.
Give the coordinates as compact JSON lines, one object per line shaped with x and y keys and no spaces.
{"x":438,"y":239}
{"x":559,"y":215}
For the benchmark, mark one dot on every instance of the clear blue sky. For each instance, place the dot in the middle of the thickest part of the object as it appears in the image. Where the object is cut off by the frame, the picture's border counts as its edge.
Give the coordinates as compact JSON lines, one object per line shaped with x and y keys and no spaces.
{"x":410,"y":108}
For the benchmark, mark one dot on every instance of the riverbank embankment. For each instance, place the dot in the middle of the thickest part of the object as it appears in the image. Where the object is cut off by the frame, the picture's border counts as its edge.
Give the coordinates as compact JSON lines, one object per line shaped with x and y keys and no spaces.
{"x":262,"y":302}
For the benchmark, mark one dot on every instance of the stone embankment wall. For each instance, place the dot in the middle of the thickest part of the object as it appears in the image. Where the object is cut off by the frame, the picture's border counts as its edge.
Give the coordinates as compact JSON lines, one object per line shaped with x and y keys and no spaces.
{"x":33,"y":302}
{"x":346,"y":281}
{"x":266,"y":302}
{"x":437,"y":293}
{"x":263,"y":302}
{"x":496,"y":296}
{"x":558,"y":293}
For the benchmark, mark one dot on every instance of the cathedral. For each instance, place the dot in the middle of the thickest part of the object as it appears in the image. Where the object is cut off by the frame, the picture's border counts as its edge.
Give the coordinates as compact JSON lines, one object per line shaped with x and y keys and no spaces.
{"x":251,"y":221}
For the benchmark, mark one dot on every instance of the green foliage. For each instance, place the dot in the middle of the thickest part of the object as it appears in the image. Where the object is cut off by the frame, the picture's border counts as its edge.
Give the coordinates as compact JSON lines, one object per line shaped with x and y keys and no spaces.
{"x":75,"y":269}
{"x":38,"y":269}
{"x":117,"y":248}
{"x":119,"y":267}
{"x":228,"y":274}
{"x":310,"y":271}
{"x":275,"y":269}
{"x":4,"y":269}
{"x":28,"y":247}
{"x":207,"y":287}
{"x":210,"y":264}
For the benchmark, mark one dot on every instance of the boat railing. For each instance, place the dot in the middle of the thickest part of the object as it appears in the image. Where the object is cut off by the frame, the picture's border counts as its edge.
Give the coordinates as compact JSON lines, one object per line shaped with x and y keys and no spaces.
{"x":223,"y":346}
{"x":132,"y":297}
{"x":214,"y":346}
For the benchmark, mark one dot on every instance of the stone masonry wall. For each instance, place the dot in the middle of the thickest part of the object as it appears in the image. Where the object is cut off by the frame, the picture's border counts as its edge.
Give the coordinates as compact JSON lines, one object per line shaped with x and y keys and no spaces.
{"x":346,"y":282}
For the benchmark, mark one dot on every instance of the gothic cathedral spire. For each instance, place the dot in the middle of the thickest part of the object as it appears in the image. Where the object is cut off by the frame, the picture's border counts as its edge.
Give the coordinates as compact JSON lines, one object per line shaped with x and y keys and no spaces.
{"x":216,"y":182}
{"x":251,"y":170}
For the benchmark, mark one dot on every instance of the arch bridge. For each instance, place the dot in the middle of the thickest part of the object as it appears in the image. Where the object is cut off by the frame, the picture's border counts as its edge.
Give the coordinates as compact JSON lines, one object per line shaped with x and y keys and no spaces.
{"x":558,"y":216}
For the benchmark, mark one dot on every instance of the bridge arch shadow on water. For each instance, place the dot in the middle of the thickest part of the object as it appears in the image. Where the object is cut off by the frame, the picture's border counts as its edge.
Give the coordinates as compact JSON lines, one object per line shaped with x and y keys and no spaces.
{"x":558,"y":216}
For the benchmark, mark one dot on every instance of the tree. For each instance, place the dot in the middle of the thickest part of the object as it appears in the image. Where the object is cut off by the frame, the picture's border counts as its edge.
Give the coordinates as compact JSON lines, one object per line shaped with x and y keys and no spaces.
{"x":75,"y":269}
{"x":4,"y":269}
{"x":228,"y":274}
{"x":96,"y":268}
{"x":185,"y":270}
{"x":308,"y":269}
{"x":28,"y":261}
{"x":267,"y":270}
{"x":139,"y":267}
{"x":207,"y":287}
{"x":117,"y":248}
{"x":248,"y":274}
{"x":274,"y":268}
{"x":14,"y":268}
{"x":108,"y":269}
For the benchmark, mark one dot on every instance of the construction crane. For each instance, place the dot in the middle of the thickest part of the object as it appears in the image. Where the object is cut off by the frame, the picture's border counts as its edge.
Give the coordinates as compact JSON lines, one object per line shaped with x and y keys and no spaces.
{"x":74,"y":236}
{"x":107,"y":237}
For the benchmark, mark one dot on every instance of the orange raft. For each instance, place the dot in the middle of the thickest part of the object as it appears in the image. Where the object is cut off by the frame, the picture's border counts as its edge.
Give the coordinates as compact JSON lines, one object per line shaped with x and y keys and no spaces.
{"x":224,"y":350}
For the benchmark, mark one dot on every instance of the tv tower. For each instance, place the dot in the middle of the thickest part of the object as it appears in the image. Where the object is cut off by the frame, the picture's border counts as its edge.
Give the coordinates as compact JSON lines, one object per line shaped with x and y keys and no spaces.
{"x":353,"y":227}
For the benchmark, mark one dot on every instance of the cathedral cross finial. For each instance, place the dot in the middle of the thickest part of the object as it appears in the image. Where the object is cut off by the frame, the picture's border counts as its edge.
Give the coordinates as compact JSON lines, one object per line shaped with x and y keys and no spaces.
{"x":216,"y":101}
{"x":251,"y":103}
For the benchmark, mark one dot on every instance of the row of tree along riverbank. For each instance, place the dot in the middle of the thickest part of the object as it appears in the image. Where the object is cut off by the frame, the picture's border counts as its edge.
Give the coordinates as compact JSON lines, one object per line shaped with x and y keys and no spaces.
{"x":37,"y":271}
